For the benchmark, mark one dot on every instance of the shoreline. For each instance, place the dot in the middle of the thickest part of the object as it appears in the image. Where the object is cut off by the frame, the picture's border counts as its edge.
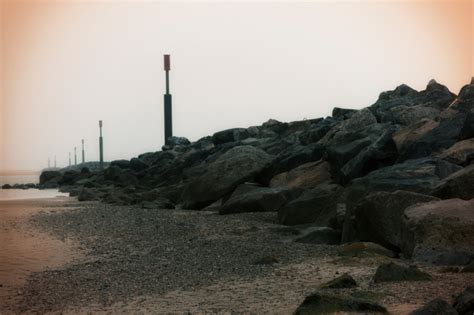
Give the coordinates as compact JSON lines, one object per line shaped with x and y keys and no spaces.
{"x":197,"y":261}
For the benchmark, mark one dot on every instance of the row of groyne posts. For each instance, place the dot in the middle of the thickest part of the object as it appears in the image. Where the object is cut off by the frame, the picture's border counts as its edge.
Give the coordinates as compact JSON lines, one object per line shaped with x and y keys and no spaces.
{"x":168,"y":126}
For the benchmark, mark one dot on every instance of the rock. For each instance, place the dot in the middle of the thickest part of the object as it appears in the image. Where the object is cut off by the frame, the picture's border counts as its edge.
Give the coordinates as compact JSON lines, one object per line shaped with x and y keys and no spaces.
{"x":236,"y":166}
{"x":435,"y":96}
{"x":138,"y":165}
{"x":317,"y":131}
{"x":457,"y":185}
{"x":7,"y":186}
{"x":365,"y":249}
{"x":342,"y":282}
{"x":442,"y":136}
{"x":70,"y":177}
{"x":464,"y":302}
{"x":468,"y":268}
{"x":358,"y":121}
{"x":465,"y":100}
{"x":407,"y":115}
{"x":320,"y":235}
{"x":318,"y":205}
{"x":405,"y":137}
{"x":380,"y":153}
{"x":343,"y":113}
{"x":123,"y":164}
{"x":379,"y":216}
{"x":266,"y":260}
{"x":229,"y":135}
{"x":89,"y":194}
{"x":419,"y":175}
{"x":436,"y":307}
{"x":461,"y":153}
{"x":258,"y":199}
{"x":440,"y":232}
{"x":467,"y":130}
{"x":319,"y":303}
{"x":394,"y":272}
{"x":173,"y":141}
{"x":50,"y":179}
{"x":305,"y":176}
{"x":290,"y":158}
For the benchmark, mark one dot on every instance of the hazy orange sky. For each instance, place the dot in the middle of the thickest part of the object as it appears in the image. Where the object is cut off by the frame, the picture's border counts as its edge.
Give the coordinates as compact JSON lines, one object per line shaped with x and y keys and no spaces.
{"x":66,"y":64}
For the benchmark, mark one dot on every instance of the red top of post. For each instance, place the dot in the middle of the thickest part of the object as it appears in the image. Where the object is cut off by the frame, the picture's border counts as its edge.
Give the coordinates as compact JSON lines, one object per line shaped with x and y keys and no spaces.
{"x":167,"y":63}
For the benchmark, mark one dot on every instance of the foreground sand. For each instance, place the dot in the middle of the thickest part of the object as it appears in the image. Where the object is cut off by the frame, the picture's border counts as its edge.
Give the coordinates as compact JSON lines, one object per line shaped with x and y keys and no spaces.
{"x":176,"y":261}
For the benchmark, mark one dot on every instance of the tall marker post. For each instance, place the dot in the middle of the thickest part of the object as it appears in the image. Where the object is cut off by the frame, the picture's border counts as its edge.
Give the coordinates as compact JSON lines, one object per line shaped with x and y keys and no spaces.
{"x":69,"y":158}
{"x":75,"y":156}
{"x":101,"y":146}
{"x":167,"y":99}
{"x":83,"y":153}
{"x":55,"y":161}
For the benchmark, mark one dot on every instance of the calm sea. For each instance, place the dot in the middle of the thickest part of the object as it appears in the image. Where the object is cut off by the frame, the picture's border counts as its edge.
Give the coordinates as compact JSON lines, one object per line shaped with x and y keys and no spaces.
{"x":20,"y":194}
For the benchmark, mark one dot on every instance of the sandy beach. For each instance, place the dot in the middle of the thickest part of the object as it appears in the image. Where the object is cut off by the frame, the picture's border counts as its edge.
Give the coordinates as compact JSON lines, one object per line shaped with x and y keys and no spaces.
{"x":130,"y":260}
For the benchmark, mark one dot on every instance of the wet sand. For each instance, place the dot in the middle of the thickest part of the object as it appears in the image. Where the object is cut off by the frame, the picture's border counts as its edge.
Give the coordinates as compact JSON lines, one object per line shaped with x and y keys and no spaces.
{"x":151,"y":261}
{"x":24,"y":249}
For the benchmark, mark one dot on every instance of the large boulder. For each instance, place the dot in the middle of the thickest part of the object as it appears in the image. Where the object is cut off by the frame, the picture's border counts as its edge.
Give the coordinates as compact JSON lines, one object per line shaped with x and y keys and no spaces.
{"x":318,"y":205}
{"x":229,"y":135}
{"x":50,"y":178}
{"x":236,"y":166}
{"x":380,"y":153}
{"x":407,"y":115}
{"x":316,"y":131}
{"x":464,"y":302}
{"x":445,"y":134}
{"x":394,"y":272}
{"x":440,"y":232}
{"x":461,"y":153}
{"x":320,"y":235}
{"x":123,"y":164}
{"x":343,"y":113}
{"x":435,"y":307}
{"x":320,"y":303}
{"x":435,"y":96}
{"x":255,"y":199}
{"x":379,"y":216}
{"x":418,"y":175}
{"x":305,"y":176}
{"x":457,"y":185}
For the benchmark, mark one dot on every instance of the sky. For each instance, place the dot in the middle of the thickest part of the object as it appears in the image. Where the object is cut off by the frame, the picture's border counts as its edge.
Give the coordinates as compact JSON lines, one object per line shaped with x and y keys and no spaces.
{"x":64,"y":65}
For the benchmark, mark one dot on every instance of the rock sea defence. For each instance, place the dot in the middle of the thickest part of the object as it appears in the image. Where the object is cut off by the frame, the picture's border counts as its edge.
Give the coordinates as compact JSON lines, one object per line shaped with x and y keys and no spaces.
{"x":399,"y":173}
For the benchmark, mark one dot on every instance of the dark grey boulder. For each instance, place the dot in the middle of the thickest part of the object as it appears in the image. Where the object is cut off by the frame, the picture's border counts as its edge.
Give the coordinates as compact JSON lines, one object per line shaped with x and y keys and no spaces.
{"x":380,"y":153}
{"x":173,"y":141}
{"x":123,"y":164}
{"x":342,"y":282}
{"x":319,"y":235}
{"x":419,"y":175}
{"x":138,"y":165}
{"x":379,"y":216}
{"x":50,"y":177}
{"x":442,"y":136}
{"x":321,"y":303}
{"x":458,"y":185}
{"x":89,"y":194}
{"x":435,"y":307}
{"x":305,"y":176}
{"x":461,"y":153}
{"x":229,"y":135}
{"x":6,"y":186}
{"x":236,"y":166}
{"x":395,"y":272}
{"x":317,"y":131}
{"x":435,"y":95}
{"x":343,"y":113}
{"x":256,"y":199}
{"x":440,"y":232}
{"x":464,"y":302}
{"x":318,"y":205}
